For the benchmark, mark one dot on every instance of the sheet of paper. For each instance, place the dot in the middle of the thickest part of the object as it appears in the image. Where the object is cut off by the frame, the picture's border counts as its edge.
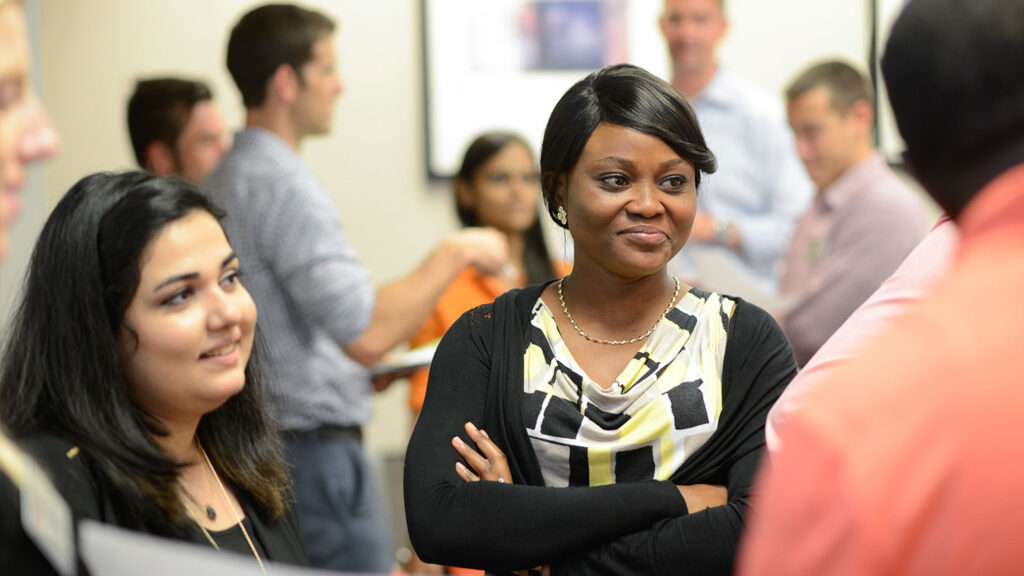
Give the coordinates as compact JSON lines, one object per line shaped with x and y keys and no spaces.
{"x":45,"y":515}
{"x":417,"y":357}
{"x":112,"y":551}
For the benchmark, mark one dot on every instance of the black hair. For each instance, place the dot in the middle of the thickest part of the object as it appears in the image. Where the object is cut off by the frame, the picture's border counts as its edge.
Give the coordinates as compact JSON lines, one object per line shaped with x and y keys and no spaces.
{"x":845,"y":84}
{"x":158,"y":110}
{"x":62,"y":370}
{"x":535,"y":256}
{"x":267,"y":37}
{"x":624,"y":95}
{"x":953,"y":73}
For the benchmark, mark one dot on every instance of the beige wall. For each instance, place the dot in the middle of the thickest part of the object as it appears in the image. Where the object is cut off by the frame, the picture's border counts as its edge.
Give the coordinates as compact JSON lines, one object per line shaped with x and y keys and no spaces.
{"x":90,"y":52}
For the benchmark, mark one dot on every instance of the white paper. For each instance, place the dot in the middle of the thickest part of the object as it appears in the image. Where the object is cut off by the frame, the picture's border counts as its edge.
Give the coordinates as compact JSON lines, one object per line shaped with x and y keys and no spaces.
{"x":112,"y":551}
{"x":418,"y":357}
{"x":45,"y":515}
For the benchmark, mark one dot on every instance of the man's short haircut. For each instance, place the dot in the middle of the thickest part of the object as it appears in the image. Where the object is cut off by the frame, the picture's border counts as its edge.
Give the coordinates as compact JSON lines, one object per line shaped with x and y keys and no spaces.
{"x":158,"y":111}
{"x":267,"y":37}
{"x":845,"y":84}
{"x":721,"y":5}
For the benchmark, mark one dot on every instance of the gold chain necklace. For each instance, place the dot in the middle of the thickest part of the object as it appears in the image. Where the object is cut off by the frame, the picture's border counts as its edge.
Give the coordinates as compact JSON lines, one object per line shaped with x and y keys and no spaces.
{"x":565,"y":309}
{"x":234,"y":513}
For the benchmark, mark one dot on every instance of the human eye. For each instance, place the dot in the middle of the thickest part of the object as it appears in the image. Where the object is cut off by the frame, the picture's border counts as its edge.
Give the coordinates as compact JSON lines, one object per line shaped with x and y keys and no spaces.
{"x":614,"y":181}
{"x":178,"y":298}
{"x":674,"y":183}
{"x":499,"y":178}
{"x":808,"y":132}
{"x":231,"y":279}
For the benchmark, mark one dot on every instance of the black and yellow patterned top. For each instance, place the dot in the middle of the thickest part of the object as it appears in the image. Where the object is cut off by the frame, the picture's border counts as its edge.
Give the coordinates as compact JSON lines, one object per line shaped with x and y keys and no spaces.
{"x":661,"y":408}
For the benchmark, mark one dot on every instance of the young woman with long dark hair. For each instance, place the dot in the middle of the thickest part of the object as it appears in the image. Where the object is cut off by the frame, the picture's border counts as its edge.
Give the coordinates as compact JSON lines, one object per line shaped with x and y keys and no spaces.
{"x":129,"y":371}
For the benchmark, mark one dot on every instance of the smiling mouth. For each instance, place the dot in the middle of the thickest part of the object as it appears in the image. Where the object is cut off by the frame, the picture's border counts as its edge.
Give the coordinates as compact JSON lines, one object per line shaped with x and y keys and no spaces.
{"x":645,"y":232}
{"x":221,"y":351}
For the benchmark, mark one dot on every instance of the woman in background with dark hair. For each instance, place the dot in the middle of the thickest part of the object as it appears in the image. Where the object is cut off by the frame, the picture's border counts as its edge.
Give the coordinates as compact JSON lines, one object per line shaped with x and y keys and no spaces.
{"x":610,"y":422}
{"x":127,"y":375}
{"x":497,"y":186}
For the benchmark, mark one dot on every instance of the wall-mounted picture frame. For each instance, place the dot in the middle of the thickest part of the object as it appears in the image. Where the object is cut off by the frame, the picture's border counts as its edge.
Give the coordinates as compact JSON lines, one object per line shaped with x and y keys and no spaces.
{"x":503,"y":64}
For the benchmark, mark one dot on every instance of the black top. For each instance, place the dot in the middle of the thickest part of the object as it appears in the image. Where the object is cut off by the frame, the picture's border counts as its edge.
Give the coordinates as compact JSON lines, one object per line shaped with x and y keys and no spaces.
{"x":88,"y":497}
{"x":627,"y":528}
{"x":18,"y":553}
{"x":233,"y":539}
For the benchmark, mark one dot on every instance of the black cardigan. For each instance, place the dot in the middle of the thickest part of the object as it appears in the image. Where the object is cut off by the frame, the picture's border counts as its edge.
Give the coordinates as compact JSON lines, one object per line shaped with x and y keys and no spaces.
{"x":640,"y":527}
{"x":89,"y":498}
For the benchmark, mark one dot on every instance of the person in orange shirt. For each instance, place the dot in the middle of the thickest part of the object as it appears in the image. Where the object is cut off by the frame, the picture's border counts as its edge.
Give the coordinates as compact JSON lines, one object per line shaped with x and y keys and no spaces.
{"x":908,"y":459}
{"x":497,"y":186}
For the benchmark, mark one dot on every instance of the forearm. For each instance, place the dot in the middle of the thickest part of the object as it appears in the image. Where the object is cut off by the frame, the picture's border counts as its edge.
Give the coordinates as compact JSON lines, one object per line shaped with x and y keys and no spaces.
{"x":405,"y":304}
{"x":704,"y":542}
{"x":757,"y":366}
{"x":525,"y":526}
{"x":522,"y":525}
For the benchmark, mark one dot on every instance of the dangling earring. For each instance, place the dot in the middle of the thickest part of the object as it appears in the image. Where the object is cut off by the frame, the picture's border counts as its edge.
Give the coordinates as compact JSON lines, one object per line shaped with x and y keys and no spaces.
{"x":561,"y":215}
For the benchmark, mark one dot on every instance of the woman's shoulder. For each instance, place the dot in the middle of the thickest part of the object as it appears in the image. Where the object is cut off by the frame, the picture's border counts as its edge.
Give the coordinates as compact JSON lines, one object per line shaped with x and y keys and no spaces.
{"x":735,"y":309}
{"x":69,"y":470}
{"x":756,"y":344}
{"x":487,"y":323}
{"x":517,"y":302}
{"x":51,"y":450}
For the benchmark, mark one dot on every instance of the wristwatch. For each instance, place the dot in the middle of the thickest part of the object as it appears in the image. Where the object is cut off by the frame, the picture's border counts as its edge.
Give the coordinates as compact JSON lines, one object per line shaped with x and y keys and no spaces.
{"x":721,"y":230}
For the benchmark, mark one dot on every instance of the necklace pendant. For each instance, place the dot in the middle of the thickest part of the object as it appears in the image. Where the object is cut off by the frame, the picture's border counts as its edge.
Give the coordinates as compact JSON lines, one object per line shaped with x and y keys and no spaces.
{"x":211,"y":513}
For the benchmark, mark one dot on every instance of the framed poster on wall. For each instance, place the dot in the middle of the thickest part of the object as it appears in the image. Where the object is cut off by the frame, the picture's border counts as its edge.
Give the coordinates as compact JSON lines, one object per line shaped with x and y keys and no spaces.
{"x":503,"y":64}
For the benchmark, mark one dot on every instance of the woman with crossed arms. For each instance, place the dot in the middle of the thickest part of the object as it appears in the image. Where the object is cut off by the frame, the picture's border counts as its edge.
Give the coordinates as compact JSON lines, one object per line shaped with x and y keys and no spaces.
{"x":615,"y":416}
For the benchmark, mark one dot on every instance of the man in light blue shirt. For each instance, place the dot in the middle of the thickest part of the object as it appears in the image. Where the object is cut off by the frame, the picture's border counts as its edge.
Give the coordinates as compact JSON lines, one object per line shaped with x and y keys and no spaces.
{"x":747,"y":210}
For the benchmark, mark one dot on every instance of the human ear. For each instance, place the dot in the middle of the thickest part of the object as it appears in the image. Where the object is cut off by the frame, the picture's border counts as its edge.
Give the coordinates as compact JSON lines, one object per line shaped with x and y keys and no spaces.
{"x":561,"y":189}
{"x":864,"y":114}
{"x":160,"y":159}
{"x":284,"y":83}
{"x":463,"y":193}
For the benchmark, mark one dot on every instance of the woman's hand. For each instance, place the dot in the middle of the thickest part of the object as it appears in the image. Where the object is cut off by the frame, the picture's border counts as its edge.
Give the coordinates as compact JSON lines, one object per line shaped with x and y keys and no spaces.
{"x":489,"y":464}
{"x":701,"y":496}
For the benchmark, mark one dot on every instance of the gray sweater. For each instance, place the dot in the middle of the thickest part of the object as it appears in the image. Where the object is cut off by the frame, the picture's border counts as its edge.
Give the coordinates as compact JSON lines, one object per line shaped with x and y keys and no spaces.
{"x":312,"y":293}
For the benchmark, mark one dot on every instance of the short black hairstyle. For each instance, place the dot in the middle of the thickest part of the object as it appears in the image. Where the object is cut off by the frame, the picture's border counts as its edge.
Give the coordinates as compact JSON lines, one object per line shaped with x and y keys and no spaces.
{"x":624,"y":95}
{"x":158,"y":110}
{"x":954,"y":70}
{"x":267,"y":37}
{"x":845,"y":84}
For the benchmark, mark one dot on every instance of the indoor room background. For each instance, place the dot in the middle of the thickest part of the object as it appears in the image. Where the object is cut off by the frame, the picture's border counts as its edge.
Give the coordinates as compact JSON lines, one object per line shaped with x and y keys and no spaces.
{"x":88,"y":54}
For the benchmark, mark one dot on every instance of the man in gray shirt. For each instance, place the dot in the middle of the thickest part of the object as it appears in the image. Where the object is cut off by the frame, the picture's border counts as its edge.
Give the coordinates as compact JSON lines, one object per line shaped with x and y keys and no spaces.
{"x":323,"y":323}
